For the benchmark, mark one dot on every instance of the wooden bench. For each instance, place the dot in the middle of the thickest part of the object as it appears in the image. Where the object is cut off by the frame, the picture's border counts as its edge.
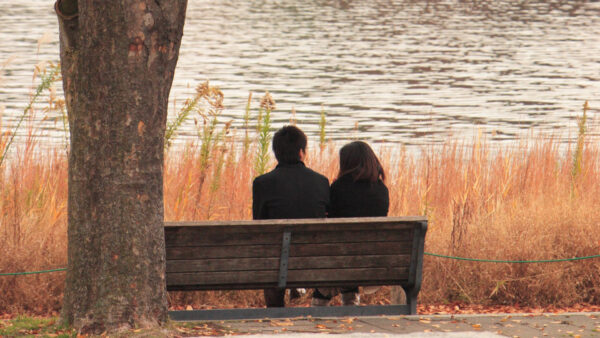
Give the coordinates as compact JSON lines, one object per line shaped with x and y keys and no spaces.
{"x":296,"y":253}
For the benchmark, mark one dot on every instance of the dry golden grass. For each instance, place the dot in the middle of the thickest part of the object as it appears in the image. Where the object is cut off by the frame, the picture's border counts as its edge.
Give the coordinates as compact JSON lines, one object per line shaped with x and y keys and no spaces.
{"x":33,"y":209}
{"x":519,"y":202}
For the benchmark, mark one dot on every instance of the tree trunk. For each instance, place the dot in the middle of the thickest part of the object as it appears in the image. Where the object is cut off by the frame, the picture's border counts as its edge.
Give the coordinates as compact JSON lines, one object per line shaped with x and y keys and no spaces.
{"x":118,"y":58}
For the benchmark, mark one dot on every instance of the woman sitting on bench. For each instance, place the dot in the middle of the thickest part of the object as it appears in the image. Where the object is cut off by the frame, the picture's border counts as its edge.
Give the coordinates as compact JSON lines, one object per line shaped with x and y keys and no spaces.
{"x":358,"y":191}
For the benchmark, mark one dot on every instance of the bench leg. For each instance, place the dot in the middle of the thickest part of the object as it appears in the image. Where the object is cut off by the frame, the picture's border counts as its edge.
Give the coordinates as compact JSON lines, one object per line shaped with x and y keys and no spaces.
{"x":411,"y":300}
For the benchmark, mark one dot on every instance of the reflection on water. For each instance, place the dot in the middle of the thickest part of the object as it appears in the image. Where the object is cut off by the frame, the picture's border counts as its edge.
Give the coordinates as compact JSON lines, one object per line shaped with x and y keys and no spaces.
{"x":415,"y":72}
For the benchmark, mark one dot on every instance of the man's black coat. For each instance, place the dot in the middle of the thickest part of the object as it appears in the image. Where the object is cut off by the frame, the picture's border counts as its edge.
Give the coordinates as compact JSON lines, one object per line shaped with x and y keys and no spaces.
{"x":290,"y":191}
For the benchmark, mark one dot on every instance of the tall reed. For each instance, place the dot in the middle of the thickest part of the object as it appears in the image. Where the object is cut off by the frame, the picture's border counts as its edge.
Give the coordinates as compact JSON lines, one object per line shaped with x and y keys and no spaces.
{"x":322,"y":131}
{"x":189,"y":106}
{"x":267,"y":104}
{"x":581,"y":131}
{"x":48,"y":76}
{"x":247,"y":140}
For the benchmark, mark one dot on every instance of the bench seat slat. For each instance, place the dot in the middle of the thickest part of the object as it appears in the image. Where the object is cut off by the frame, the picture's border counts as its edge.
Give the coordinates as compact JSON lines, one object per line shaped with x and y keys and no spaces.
{"x":351,"y":236}
{"x":198,"y":237}
{"x":359,"y":248}
{"x":311,"y":224}
{"x":296,"y":250}
{"x":241,"y":251}
{"x":223,"y":264}
{"x":347,"y":275}
{"x":304,"y":277}
{"x":319,"y":262}
{"x":221,"y":237}
{"x":222,"y":278}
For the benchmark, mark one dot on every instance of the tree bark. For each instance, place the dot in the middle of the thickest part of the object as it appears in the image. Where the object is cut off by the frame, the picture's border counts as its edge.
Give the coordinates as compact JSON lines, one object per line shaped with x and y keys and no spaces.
{"x":118,"y":58}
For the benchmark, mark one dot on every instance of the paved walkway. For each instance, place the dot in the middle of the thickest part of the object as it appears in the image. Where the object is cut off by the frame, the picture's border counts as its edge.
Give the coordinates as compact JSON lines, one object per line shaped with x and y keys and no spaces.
{"x":498,"y":325}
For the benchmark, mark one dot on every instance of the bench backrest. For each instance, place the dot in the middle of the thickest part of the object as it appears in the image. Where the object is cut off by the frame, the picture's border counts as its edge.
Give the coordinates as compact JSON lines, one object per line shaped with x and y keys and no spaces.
{"x":295,"y":253}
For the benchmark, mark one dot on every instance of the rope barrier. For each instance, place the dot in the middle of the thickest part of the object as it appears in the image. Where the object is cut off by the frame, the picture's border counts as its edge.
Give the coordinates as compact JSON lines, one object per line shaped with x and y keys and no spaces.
{"x":31,"y":272}
{"x":509,"y":261}
{"x":426,"y":253}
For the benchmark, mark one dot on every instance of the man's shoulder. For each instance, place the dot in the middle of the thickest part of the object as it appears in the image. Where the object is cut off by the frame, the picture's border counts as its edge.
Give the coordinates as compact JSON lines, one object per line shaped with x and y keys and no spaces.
{"x":300,"y":172}
{"x":316,"y":175}
{"x":264,"y":177}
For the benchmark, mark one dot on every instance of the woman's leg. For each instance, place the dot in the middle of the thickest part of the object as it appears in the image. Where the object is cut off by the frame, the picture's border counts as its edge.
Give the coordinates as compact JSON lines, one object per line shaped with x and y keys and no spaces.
{"x":350,"y":296}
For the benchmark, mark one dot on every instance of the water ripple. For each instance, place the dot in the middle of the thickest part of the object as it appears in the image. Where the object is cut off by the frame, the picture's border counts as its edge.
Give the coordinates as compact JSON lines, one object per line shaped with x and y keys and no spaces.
{"x":411,"y":72}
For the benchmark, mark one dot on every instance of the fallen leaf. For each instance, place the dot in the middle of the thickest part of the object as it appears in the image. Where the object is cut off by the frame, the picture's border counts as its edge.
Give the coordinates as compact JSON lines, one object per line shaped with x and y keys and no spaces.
{"x":348,"y":320}
{"x":476,"y":326}
{"x":285,"y":323}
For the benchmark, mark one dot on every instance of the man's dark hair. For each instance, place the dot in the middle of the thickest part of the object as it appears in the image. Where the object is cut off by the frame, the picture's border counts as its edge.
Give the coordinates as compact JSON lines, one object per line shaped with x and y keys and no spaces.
{"x":287,"y":143}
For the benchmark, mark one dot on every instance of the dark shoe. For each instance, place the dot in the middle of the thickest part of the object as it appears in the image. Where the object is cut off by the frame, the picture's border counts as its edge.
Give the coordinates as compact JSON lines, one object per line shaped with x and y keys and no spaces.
{"x":319,"y":302}
{"x":319,"y":299}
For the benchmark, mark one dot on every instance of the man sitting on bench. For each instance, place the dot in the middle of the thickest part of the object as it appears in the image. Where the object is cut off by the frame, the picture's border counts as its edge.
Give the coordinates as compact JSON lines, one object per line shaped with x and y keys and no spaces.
{"x":291,"y":190}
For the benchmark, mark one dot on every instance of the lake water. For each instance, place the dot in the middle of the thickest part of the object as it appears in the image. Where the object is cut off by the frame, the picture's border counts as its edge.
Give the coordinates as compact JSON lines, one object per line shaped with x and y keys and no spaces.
{"x":410,"y":72}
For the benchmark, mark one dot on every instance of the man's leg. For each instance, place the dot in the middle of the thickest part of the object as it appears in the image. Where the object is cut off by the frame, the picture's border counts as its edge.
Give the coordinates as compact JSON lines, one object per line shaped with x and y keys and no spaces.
{"x":275,"y":297}
{"x":322,"y":296}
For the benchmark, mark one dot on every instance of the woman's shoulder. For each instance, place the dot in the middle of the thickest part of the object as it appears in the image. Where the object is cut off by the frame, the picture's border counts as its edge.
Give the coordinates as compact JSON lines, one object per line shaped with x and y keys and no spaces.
{"x":347,"y":182}
{"x":380,"y":183}
{"x":381,"y":187}
{"x":344,"y":180}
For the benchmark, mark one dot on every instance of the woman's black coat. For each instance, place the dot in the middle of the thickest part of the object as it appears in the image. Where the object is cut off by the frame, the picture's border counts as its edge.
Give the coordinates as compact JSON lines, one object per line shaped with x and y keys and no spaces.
{"x":358,"y":199}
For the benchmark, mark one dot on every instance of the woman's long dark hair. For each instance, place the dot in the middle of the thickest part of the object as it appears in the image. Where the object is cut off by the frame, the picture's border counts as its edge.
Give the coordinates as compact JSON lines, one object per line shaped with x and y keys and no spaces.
{"x":358,"y":159}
